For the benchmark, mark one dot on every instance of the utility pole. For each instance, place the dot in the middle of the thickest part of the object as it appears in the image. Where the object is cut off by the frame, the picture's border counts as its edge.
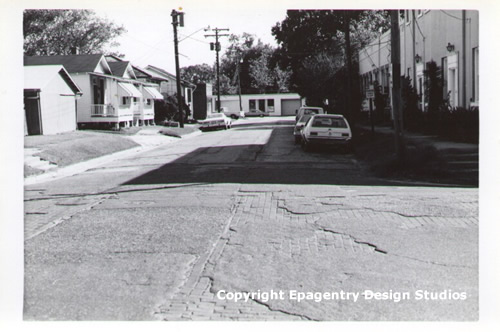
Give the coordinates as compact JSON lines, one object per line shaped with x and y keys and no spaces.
{"x":178,"y":20}
{"x":351,"y":116}
{"x":396,"y":83}
{"x":217,"y":48}
{"x":414,"y":61}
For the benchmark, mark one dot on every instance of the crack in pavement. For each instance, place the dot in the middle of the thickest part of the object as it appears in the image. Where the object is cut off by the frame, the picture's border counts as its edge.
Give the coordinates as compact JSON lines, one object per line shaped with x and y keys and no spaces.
{"x":388,"y":211}
{"x":283,"y":311}
{"x":57,"y":221}
{"x":111,"y":191}
{"x":433,"y":263}
{"x":355,"y":240}
{"x":257,"y":301}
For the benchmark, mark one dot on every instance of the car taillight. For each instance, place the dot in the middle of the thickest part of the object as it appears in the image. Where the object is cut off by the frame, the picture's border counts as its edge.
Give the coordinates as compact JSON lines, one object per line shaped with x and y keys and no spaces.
{"x":345,"y":135}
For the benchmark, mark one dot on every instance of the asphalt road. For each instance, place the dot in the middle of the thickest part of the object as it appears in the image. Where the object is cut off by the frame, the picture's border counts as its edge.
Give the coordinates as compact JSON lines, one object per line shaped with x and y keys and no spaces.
{"x":174,"y":232}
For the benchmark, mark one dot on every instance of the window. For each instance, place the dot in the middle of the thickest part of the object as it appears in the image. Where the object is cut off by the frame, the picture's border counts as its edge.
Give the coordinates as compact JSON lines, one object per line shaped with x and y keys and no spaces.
{"x":252,"y":104}
{"x":124,"y":100}
{"x":320,"y":122}
{"x":135,"y":99}
{"x":270,"y":105}
{"x":444,"y":76}
{"x":475,"y":74}
{"x":148,"y":101}
{"x":262,"y":104}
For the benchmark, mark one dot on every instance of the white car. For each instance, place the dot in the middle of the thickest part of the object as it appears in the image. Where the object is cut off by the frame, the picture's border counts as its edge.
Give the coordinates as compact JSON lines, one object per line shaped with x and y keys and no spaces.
{"x":327,"y":129}
{"x":215,"y":121}
{"x":308,"y":110}
{"x":297,"y":130}
{"x":232,"y":113}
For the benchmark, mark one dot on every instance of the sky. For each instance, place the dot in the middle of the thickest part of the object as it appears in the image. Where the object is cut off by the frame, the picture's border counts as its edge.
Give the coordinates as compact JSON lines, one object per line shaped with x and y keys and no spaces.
{"x":149,"y":38}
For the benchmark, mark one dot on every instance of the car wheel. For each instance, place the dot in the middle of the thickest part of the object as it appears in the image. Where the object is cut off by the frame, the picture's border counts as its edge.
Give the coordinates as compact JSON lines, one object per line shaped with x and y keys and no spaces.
{"x":234,"y":117}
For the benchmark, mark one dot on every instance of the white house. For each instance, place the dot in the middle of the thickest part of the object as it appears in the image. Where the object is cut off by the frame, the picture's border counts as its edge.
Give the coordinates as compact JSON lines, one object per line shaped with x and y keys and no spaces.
{"x":110,"y":98}
{"x":49,"y":100}
{"x":136,"y":94}
{"x":168,"y":85}
{"x":277,"y":104}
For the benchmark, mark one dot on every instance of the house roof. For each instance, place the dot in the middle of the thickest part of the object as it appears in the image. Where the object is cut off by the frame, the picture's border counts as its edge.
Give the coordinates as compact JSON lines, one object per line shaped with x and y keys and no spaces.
{"x":118,"y":68}
{"x":165,"y":74}
{"x":141,"y":73}
{"x":37,"y":77}
{"x":79,"y":63}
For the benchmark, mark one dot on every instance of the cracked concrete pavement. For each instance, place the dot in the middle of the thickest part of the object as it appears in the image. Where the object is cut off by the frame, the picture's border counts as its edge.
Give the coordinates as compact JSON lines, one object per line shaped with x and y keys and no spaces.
{"x":158,"y":235}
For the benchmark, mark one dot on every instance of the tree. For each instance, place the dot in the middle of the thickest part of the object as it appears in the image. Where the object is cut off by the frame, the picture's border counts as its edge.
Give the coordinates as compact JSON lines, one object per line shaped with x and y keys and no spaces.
{"x":63,"y":32}
{"x":322,"y":67}
{"x":261,"y":74}
{"x":198,"y":74}
{"x":253,"y":63}
{"x":304,"y":34}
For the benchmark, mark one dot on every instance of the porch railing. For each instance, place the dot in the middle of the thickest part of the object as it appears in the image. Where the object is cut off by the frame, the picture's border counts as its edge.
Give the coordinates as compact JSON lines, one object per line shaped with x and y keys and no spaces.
{"x":100,"y":110}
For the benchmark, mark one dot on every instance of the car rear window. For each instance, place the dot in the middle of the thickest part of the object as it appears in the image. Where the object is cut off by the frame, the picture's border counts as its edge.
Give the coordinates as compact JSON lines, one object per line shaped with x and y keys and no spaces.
{"x":329,"y":123}
{"x":311,"y":111}
{"x":305,"y":117}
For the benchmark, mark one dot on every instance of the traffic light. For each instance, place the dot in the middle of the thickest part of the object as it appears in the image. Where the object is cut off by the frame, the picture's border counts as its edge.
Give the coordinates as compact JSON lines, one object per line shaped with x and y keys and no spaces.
{"x":181,"y":19}
{"x":212,"y":46}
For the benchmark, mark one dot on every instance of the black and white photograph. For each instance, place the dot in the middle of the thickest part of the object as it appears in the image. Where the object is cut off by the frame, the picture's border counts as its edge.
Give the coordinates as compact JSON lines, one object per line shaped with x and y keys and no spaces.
{"x":250,"y":162}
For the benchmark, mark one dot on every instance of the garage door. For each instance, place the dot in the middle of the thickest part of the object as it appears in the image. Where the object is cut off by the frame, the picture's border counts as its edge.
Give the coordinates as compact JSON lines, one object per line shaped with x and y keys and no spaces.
{"x":288,"y":106}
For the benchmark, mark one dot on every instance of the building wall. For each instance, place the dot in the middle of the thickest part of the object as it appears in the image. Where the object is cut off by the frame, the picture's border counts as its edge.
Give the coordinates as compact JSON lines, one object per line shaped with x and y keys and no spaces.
{"x":434,"y":29}
{"x":58,"y":112}
{"x":430,"y":33}
{"x":83,"y":104}
{"x":271,"y":102}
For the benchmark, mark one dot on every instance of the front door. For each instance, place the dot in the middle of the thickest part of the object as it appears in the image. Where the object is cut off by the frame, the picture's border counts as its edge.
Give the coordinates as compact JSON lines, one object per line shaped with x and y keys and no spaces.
{"x":32,"y":111}
{"x":98,"y":90}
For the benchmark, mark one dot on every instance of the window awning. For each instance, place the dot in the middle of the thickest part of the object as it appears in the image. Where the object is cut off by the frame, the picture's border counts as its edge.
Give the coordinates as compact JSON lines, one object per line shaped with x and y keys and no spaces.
{"x":153,"y":93}
{"x":128,"y":90}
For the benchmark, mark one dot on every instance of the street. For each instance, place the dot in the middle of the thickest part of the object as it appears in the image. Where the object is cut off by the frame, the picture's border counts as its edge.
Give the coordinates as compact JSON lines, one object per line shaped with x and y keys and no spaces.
{"x":176,"y":232}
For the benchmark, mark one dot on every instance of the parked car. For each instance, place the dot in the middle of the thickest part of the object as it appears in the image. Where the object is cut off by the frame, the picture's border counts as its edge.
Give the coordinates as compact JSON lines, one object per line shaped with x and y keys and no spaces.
{"x":308,"y":110}
{"x":255,"y":112}
{"x":326,"y":129}
{"x":297,"y":130}
{"x":233,"y":114}
{"x":215,"y":121}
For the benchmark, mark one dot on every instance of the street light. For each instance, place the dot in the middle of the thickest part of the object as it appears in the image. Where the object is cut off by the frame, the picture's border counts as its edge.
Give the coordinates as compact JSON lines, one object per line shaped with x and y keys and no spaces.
{"x":239,"y":81}
{"x":450,"y":47}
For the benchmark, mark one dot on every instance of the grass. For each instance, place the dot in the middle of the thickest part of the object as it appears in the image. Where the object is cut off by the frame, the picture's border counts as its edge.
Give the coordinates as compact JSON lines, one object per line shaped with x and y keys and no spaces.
{"x":73,"y":147}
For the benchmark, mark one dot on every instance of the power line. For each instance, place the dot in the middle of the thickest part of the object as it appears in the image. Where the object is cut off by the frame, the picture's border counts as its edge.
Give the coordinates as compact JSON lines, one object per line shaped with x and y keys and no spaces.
{"x":457,"y":18}
{"x":216,"y":46}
